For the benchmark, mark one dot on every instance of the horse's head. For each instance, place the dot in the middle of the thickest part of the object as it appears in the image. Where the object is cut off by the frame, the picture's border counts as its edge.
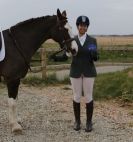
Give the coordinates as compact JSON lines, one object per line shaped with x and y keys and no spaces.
{"x":62,"y":33}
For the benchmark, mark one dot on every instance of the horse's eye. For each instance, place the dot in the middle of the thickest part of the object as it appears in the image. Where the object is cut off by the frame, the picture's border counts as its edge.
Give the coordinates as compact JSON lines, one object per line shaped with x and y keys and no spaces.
{"x":66,"y":29}
{"x":60,"y":28}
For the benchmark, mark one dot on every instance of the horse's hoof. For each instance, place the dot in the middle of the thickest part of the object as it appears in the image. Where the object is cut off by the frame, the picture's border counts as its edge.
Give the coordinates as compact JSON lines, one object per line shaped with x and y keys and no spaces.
{"x":16,"y":128}
{"x":19,"y":120}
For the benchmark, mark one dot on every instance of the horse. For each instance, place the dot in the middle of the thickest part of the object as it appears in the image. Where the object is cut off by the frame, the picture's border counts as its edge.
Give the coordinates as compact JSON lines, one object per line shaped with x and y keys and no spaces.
{"x":21,"y":42}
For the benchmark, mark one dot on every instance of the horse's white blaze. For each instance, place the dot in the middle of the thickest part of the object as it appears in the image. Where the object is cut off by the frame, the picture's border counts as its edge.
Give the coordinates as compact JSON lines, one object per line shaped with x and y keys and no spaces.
{"x":74,"y":44}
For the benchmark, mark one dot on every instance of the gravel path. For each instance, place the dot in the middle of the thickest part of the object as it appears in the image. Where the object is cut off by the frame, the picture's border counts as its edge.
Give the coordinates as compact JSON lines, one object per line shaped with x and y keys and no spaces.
{"x":47,"y":116}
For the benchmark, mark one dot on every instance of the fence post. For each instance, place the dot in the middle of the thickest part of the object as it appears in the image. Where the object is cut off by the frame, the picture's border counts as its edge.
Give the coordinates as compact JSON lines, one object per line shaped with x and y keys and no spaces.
{"x":43,"y":62}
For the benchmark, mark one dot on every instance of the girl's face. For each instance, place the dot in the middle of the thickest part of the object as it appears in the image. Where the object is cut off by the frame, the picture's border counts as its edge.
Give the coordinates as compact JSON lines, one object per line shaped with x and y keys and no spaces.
{"x":82,"y":29}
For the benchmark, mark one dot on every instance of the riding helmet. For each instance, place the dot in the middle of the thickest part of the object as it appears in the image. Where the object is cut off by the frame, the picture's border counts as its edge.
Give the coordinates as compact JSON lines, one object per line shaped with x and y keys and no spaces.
{"x":83,"y":19}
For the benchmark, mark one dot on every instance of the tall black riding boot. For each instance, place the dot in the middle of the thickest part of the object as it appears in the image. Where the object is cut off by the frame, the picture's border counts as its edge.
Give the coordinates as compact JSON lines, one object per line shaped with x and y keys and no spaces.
{"x":89,"y":113}
{"x":76,"y":108}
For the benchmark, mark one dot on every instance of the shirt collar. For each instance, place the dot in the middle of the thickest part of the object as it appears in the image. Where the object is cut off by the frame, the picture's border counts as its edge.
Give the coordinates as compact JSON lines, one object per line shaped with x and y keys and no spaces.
{"x":82,"y":38}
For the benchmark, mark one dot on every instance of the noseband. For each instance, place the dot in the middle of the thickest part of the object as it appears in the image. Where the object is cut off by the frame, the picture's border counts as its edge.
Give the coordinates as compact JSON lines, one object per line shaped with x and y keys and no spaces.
{"x":65,"y":42}
{"x":65,"y":48}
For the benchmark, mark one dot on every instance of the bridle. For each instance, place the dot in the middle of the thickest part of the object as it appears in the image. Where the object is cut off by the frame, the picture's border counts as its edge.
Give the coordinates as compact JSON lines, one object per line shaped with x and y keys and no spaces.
{"x":18,"y":47}
{"x":65,"y":42}
{"x":65,"y":48}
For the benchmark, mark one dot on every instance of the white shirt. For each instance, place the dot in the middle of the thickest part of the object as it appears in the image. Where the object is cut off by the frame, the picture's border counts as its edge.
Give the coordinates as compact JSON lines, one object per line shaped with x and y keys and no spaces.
{"x":82,"y":39}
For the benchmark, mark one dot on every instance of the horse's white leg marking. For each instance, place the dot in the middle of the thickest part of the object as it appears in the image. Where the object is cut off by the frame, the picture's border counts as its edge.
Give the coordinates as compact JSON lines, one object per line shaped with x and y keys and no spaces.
{"x":13,"y":116}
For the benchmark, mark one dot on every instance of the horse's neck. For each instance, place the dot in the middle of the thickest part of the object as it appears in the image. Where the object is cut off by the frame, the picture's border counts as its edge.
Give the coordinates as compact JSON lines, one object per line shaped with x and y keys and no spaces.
{"x":33,"y":36}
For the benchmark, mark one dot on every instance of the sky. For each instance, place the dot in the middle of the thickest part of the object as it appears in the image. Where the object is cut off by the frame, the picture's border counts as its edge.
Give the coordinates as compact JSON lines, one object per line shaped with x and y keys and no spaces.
{"x":107,"y":17}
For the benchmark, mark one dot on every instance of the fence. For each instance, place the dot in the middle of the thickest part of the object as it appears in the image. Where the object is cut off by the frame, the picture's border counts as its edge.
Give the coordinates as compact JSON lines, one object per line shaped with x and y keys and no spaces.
{"x":45,"y":67}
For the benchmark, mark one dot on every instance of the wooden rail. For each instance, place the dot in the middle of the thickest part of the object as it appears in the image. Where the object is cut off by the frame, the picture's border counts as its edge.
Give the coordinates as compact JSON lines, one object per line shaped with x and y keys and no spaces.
{"x":44,"y":67}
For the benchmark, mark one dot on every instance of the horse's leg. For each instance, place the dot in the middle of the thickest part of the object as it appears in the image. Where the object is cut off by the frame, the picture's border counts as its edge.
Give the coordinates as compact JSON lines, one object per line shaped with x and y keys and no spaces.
{"x":12,"y":93}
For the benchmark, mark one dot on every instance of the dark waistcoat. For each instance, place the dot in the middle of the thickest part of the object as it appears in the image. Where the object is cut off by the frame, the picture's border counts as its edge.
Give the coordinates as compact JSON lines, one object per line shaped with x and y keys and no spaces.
{"x":83,"y":62}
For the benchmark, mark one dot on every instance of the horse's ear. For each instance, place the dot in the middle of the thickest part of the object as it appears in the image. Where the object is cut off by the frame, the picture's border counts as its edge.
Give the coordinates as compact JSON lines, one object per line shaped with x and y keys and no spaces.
{"x":64,"y":14}
{"x":59,"y":15}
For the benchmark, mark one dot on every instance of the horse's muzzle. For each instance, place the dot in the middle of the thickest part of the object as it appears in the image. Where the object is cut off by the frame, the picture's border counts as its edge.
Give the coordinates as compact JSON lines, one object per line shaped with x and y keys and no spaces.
{"x":74,"y":52}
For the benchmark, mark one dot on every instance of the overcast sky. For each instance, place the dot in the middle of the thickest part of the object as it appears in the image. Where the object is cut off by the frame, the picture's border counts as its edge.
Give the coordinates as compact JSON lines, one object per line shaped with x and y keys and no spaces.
{"x":106,"y":16}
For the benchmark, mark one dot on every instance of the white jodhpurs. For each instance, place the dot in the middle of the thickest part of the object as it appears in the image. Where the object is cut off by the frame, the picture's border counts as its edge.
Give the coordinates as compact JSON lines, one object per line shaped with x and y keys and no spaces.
{"x":82,"y":85}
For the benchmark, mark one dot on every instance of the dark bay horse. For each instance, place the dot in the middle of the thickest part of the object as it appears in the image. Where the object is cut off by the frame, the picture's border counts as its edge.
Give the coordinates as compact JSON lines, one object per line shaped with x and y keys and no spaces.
{"x":21,"y":42}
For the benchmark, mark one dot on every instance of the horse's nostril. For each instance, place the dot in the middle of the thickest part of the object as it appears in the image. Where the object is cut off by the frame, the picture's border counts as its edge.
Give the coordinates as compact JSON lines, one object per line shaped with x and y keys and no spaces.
{"x":73,"y":51}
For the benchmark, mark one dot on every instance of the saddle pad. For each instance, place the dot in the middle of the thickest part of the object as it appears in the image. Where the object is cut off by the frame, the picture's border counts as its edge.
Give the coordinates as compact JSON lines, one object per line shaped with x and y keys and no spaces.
{"x":0,"y":41}
{"x":2,"y":47}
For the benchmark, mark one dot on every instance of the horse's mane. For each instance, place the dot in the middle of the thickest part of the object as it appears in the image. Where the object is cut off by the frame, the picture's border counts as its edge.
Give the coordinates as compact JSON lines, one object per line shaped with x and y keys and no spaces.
{"x":32,"y":20}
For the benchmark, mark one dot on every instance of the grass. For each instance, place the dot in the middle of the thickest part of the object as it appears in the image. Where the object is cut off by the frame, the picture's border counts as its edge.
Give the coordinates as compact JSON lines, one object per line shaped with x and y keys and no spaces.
{"x":114,"y":85}
{"x":50,"y":80}
{"x":116,"y":56}
{"x":107,"y":86}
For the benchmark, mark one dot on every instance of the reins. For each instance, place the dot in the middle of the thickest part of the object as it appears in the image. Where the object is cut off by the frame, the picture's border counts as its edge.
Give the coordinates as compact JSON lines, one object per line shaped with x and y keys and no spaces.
{"x":68,"y":40}
{"x":64,"y":43}
{"x":20,"y":51}
{"x":64,"y":47}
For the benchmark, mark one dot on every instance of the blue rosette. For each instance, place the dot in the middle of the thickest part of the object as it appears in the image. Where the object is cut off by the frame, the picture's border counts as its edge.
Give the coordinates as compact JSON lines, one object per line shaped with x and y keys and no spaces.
{"x":92,"y":47}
